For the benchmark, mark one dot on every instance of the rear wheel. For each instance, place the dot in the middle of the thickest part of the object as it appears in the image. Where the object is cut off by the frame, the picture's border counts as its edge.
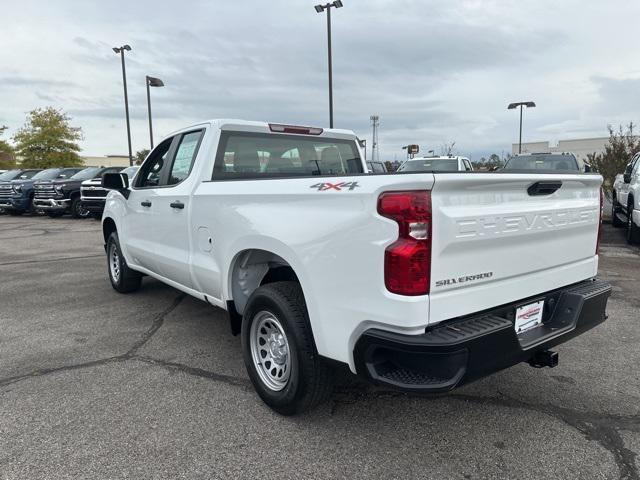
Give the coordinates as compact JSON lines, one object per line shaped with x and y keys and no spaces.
{"x":54,"y":214}
{"x":123,"y":279}
{"x":633,"y":231}
{"x":15,"y":213}
{"x":615,"y":209}
{"x":77,"y":210}
{"x":279,"y":351}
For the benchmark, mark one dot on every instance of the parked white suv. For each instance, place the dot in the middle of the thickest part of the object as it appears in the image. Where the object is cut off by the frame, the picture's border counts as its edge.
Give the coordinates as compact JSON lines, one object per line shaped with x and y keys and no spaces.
{"x":421,"y":281}
{"x":626,"y":201}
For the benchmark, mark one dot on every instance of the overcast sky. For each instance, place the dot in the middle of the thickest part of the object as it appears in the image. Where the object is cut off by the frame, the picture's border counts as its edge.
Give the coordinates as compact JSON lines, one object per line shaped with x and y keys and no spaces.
{"x":434,"y":71}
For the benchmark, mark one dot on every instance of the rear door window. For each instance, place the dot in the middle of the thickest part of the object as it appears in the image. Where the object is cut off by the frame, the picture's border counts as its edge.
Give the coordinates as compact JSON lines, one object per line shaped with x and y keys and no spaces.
{"x":258,"y":155}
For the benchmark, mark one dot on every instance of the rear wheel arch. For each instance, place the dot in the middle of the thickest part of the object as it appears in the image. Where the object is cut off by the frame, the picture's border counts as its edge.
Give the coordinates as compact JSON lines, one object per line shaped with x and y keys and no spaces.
{"x":252,"y":268}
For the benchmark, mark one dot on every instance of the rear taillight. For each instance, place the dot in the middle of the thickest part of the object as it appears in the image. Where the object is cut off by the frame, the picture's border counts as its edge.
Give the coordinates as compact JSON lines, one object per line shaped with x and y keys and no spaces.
{"x":600,"y":220}
{"x":407,"y":261}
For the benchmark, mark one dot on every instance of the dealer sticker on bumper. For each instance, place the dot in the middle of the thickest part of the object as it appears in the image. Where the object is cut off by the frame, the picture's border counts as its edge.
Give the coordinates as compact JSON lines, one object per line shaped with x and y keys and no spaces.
{"x":529,"y":316}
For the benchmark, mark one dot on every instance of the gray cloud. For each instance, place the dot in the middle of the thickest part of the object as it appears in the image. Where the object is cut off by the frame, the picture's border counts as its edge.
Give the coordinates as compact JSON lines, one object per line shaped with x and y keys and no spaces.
{"x":433,"y":71}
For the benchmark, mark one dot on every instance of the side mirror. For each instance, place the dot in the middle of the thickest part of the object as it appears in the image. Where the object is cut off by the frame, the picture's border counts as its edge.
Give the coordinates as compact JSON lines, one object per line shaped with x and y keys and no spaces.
{"x":587,"y":168}
{"x":626,"y":178}
{"x":115,"y":181}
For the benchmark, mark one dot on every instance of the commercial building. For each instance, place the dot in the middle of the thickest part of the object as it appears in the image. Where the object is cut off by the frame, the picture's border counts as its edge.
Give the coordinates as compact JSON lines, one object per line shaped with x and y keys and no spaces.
{"x":581,"y":147}
{"x":106,"y":161}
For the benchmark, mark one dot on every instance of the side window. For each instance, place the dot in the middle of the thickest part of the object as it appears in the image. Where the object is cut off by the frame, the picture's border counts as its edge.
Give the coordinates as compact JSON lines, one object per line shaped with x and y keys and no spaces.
{"x":185,"y":155}
{"x":151,"y":170}
{"x":467,"y":165}
{"x":635,"y":166}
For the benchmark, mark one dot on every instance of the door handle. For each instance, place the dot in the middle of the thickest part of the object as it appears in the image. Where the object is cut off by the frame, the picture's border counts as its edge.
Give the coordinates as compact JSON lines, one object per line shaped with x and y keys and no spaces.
{"x":179,"y":205}
{"x":146,"y":203}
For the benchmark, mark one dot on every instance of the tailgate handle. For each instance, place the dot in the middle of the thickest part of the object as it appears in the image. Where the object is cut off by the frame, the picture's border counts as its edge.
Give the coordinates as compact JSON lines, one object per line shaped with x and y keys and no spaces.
{"x":544,"y":187}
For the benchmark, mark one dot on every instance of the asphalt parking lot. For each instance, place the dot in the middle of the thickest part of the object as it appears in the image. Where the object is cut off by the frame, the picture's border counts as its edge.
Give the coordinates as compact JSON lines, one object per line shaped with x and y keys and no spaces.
{"x":94,"y":384}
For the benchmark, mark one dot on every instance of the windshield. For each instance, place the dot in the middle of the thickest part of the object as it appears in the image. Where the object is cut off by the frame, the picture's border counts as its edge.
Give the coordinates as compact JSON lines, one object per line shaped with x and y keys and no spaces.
{"x":430,"y":165}
{"x":47,"y":174}
{"x":10,"y":175}
{"x":87,"y":173}
{"x":542,"y":162}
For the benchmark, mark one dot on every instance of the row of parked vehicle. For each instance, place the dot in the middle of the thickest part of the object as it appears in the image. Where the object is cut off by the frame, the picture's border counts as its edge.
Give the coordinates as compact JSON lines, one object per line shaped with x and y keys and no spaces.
{"x":56,"y":191}
{"x":563,"y":162}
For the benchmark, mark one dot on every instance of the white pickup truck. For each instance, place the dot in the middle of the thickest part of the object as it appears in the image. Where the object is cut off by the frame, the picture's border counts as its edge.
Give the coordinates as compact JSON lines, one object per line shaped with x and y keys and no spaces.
{"x":626,"y":200}
{"x":419,"y":281}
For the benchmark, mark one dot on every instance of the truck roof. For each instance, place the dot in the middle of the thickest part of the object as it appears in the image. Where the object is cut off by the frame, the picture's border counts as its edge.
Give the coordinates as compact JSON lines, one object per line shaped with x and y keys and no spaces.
{"x":266,"y":127}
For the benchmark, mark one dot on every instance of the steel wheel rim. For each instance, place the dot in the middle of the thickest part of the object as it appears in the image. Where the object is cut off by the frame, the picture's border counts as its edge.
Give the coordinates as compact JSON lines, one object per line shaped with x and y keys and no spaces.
{"x":114,"y":263}
{"x":270,"y":351}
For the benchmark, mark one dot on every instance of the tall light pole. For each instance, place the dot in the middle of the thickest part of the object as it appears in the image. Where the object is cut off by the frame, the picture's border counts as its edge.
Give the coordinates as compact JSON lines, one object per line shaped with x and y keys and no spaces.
{"x":151,"y":82}
{"x":121,"y":50}
{"x":320,"y":9}
{"x":512,"y":106}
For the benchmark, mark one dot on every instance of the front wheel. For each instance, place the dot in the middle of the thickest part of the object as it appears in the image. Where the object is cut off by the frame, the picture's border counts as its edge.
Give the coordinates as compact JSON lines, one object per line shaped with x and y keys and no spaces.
{"x":77,"y":210}
{"x":279,"y":351}
{"x":123,"y":279}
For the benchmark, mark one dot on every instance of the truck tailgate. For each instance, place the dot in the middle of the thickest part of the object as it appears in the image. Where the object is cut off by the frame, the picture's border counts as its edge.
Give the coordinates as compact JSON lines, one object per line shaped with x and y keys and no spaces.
{"x":498,"y":238}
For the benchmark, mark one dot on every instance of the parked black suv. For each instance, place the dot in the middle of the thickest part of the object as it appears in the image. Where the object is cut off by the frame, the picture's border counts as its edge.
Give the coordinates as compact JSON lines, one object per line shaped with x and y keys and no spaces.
{"x":94,"y":196}
{"x":57,"y":197}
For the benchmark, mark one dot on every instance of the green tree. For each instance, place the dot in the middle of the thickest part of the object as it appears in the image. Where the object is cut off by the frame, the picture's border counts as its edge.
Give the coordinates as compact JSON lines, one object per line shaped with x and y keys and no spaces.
{"x":7,"y":156}
{"x":48,"y":140}
{"x":141,"y":155}
{"x":623,"y":144}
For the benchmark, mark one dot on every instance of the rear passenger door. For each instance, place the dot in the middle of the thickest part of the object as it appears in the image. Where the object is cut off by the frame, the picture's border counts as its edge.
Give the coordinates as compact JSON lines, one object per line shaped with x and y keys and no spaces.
{"x":171,"y":209}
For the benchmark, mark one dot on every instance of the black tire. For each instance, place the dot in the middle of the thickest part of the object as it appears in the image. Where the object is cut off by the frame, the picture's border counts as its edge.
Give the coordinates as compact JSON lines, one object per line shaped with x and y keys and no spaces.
{"x":54,"y":214}
{"x":77,"y":210}
{"x":123,"y":280}
{"x":615,"y":221}
{"x":310,"y":378}
{"x":96,"y":216}
{"x":633,"y":231}
{"x":15,"y":213}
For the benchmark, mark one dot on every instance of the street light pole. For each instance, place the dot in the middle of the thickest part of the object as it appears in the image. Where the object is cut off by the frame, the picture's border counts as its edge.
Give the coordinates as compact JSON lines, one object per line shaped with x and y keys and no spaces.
{"x":121,"y":50}
{"x":512,"y":106}
{"x":320,"y":9}
{"x":151,"y":82}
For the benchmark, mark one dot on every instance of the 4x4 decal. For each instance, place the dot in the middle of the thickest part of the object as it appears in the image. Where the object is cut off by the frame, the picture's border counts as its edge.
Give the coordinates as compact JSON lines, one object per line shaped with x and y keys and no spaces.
{"x":323,"y":187}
